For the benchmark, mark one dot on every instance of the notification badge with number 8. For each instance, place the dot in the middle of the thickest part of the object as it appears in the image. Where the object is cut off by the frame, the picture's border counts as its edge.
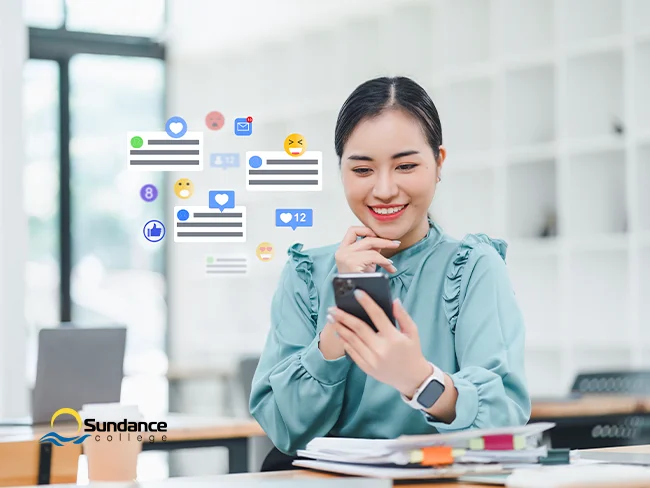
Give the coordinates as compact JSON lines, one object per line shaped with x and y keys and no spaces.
{"x":149,"y":193}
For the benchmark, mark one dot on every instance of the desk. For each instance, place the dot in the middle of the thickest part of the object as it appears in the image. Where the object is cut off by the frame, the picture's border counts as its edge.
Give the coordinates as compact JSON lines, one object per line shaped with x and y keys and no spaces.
{"x":295,"y":479}
{"x":183,"y":432}
{"x":594,"y":421}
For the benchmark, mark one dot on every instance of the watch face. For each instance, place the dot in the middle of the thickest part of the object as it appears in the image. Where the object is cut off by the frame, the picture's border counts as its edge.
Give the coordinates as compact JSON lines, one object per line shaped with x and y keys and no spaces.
{"x":430,"y":394}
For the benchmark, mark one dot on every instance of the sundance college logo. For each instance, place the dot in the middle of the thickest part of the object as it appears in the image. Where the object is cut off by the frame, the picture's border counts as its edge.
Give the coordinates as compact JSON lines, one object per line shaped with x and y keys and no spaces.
{"x":123,"y":431}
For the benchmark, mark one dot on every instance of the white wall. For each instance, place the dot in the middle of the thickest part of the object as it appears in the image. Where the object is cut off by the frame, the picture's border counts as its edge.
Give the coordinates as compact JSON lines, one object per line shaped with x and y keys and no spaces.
{"x":13,"y":220}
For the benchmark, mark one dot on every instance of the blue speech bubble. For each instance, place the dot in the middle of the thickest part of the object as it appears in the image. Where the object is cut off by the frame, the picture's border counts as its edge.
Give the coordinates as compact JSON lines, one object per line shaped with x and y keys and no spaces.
{"x":224,"y":160}
{"x":294,"y":217}
{"x":221,"y":199}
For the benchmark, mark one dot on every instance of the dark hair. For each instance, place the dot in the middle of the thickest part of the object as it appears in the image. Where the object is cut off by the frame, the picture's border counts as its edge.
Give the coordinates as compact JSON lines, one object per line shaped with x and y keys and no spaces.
{"x":373,"y":97}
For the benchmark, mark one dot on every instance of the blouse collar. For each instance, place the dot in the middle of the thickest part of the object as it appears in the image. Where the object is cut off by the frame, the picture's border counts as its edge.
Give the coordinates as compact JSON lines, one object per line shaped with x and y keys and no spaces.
{"x":403,"y":261}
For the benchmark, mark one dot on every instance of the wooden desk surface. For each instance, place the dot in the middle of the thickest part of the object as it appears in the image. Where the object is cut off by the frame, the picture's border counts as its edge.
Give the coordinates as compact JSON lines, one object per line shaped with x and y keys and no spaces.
{"x":180,"y":428}
{"x":590,"y":406}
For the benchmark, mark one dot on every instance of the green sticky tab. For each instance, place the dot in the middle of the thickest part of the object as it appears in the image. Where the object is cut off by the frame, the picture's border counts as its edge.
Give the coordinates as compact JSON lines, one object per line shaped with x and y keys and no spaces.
{"x":477,"y":444}
{"x":519,"y":442}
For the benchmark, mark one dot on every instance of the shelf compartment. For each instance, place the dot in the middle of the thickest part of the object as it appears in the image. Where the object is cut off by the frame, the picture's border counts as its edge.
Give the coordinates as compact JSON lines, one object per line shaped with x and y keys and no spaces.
{"x":607,"y":358}
{"x":528,"y":28}
{"x":596,"y":194}
{"x":641,"y":9}
{"x":531,"y":200}
{"x":463,"y":17}
{"x":599,"y":298}
{"x":530,"y":106}
{"x":536,"y":282}
{"x":589,"y":20}
{"x":643,"y":208}
{"x":466,"y":203}
{"x":466,"y":114}
{"x":413,"y":40}
{"x":642,"y":87}
{"x":595,"y":95}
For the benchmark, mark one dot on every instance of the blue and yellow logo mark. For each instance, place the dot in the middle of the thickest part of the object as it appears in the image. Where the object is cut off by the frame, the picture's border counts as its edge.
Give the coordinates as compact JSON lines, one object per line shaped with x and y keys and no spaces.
{"x":59,"y":440}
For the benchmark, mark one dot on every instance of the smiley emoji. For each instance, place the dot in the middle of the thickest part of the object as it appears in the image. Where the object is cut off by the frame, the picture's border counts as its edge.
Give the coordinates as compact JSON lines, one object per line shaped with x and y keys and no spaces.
{"x":265,"y":251}
{"x":295,"y":145}
{"x":184,"y":188}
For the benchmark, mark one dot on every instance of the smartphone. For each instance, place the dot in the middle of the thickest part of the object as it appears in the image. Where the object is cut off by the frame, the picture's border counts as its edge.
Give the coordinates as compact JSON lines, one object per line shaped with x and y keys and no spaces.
{"x":374,"y":284}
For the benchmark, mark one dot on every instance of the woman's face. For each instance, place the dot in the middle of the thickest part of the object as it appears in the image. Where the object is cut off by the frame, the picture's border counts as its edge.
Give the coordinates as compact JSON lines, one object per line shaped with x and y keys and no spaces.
{"x":389,"y":174}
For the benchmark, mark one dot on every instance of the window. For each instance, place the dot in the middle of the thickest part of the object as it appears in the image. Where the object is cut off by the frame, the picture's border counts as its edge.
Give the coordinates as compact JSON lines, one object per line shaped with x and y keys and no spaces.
{"x":86,"y":85}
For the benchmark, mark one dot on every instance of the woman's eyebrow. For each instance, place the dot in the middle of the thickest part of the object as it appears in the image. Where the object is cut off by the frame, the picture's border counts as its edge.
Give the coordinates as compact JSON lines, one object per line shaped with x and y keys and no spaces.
{"x":359,"y":157}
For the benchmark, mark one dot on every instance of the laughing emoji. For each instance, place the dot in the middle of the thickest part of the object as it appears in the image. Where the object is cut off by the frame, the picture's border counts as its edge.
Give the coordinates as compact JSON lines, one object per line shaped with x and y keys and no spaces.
{"x":265,"y":251}
{"x":295,"y":145}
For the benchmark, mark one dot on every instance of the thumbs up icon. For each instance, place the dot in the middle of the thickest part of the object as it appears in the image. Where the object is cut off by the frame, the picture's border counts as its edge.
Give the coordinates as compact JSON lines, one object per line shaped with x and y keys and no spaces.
{"x":155,"y":232}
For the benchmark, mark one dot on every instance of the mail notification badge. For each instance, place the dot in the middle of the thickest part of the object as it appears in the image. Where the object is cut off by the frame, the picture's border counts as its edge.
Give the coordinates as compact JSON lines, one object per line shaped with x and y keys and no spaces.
{"x":244,"y":126}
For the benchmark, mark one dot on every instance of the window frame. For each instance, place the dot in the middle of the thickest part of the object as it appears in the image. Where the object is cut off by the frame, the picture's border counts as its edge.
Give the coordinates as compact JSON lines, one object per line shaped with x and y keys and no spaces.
{"x":60,"y":45}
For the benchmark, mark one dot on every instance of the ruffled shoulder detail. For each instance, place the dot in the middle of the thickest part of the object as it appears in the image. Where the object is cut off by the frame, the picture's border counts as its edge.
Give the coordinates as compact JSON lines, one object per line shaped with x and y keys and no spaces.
{"x":453,"y":278}
{"x":304,"y":265}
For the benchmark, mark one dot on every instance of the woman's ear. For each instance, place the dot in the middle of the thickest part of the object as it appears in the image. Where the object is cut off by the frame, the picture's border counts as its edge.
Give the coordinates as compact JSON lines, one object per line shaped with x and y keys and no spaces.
{"x":442,"y":155}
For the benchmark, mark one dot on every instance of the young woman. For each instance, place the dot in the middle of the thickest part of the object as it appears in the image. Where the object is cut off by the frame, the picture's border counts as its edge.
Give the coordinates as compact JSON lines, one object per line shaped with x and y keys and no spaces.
{"x":457,"y":359}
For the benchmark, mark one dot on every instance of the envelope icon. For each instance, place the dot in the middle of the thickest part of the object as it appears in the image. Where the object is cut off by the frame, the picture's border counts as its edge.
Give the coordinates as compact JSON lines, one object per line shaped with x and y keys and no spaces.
{"x":243,"y":127}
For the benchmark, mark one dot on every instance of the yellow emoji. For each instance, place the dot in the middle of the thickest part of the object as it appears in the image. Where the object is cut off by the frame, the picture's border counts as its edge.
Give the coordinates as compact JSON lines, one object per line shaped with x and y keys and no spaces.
{"x":184,"y":188}
{"x":265,"y":251}
{"x":295,"y":145}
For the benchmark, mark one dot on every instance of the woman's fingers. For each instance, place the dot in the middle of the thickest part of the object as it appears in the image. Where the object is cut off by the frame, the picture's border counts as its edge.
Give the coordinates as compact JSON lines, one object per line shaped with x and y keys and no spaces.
{"x":374,"y":243}
{"x":355,"y":324}
{"x":374,"y":257}
{"x":375,"y":312}
{"x":354,"y":232}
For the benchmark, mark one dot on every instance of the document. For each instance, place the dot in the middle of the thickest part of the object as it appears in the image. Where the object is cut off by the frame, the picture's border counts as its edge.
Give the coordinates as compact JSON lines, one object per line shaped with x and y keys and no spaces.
{"x":157,"y":151}
{"x":277,"y":171}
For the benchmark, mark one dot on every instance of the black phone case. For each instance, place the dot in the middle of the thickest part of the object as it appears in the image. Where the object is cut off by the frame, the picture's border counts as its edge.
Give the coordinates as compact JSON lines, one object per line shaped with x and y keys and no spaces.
{"x":375,"y":285}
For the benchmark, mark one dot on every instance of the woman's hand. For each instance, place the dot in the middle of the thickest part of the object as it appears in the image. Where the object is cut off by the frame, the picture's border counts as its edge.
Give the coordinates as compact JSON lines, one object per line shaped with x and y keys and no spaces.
{"x":391,"y":356}
{"x":363,"y":256}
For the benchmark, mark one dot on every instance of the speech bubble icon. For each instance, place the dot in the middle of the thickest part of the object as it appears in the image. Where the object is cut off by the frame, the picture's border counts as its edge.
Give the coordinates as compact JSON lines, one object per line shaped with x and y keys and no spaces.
{"x":294,"y":217}
{"x":221,"y":199}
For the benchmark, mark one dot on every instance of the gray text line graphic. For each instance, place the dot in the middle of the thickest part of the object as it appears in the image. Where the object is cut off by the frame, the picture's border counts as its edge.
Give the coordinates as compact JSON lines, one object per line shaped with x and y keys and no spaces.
{"x":168,"y":162}
{"x":209,"y":224}
{"x":210,"y":234}
{"x":162,"y":152}
{"x":234,"y":260}
{"x":226,"y":271}
{"x":176,"y":142}
{"x":282,"y":171}
{"x":230,"y":266}
{"x":217,"y":214}
{"x":283,"y":182}
{"x":292,"y":161}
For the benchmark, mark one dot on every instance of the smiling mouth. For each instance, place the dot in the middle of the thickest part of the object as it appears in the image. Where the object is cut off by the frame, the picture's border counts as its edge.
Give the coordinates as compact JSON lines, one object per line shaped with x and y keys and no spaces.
{"x":295,"y":150}
{"x":266,"y":256}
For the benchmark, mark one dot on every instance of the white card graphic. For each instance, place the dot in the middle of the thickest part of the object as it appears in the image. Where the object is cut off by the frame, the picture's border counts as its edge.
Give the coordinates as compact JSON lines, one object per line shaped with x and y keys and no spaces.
{"x":205,"y":224}
{"x":277,"y":171}
{"x":220,"y":265}
{"x":157,"y":151}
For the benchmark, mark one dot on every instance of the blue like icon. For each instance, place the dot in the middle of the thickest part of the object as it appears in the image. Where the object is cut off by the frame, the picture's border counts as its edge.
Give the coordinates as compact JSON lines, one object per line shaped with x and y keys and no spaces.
{"x":221,"y":199}
{"x":294,"y":217}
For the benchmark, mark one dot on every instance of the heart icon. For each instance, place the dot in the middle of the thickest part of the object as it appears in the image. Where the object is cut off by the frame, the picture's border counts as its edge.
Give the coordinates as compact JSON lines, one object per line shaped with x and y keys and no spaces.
{"x":221,"y":198}
{"x":285,"y":217}
{"x":176,"y":127}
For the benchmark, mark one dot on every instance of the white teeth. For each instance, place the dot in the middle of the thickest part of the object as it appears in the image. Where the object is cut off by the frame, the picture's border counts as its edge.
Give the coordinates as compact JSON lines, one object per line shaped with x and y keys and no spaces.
{"x":388,"y":211}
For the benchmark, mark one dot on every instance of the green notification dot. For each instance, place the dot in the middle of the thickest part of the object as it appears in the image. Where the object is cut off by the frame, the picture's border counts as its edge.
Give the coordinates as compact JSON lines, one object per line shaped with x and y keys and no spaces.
{"x":210,"y":260}
{"x":137,"y":142}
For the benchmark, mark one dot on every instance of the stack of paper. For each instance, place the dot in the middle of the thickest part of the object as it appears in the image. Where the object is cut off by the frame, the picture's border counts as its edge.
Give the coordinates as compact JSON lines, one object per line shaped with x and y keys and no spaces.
{"x":428,"y":456}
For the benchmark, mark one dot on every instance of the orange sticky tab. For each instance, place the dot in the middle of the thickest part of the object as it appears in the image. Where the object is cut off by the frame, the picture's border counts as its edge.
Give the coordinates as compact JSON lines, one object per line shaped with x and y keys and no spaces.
{"x":437,"y":456}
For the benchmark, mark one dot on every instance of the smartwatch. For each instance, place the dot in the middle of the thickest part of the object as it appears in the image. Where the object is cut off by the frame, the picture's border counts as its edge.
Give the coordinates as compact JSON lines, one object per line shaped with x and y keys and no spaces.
{"x":429,"y":391}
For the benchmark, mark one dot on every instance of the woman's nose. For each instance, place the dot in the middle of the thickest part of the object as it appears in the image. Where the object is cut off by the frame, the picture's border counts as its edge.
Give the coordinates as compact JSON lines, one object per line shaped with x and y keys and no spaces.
{"x":385,"y":188}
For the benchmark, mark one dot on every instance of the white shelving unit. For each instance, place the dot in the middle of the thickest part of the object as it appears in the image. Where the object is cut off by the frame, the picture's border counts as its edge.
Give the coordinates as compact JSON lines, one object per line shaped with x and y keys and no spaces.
{"x":545,"y":109}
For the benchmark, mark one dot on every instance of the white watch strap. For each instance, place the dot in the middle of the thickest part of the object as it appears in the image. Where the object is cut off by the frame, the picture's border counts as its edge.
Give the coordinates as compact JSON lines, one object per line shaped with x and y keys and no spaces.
{"x":438,"y":375}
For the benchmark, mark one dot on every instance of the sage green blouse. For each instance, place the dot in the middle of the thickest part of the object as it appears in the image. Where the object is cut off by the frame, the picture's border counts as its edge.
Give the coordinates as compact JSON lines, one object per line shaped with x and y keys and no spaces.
{"x":460,"y":296}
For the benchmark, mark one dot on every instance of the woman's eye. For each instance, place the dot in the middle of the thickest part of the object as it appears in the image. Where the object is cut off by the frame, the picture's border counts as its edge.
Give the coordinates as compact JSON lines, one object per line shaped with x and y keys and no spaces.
{"x":361,"y":171}
{"x":406,"y":167}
